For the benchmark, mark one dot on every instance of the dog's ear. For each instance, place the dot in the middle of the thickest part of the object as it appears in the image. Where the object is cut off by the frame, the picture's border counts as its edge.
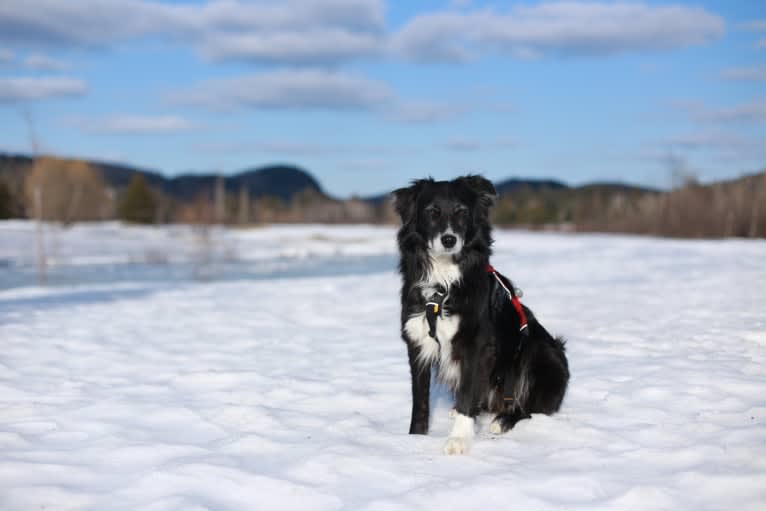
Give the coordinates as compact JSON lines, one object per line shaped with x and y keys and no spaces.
{"x":482,"y":187}
{"x":405,"y":200}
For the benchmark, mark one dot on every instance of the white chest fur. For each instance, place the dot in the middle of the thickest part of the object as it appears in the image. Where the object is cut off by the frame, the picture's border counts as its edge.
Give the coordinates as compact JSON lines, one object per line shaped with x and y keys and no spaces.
{"x":432,"y":352}
{"x":441,"y":270}
{"x":445,"y":272}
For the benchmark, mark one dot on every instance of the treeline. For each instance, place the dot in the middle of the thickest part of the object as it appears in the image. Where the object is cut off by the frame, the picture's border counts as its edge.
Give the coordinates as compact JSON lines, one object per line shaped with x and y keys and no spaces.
{"x":690,"y":210}
{"x":307,"y":206}
{"x":68,"y":191}
{"x":558,"y":207}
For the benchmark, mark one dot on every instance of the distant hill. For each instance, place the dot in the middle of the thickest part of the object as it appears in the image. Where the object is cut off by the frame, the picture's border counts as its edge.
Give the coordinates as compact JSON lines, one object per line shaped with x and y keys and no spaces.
{"x":281,"y":181}
{"x":539,"y":202}
{"x":284,"y":181}
{"x":509,"y":186}
{"x":515,"y":186}
{"x":725,"y":208}
{"x":615,"y":188}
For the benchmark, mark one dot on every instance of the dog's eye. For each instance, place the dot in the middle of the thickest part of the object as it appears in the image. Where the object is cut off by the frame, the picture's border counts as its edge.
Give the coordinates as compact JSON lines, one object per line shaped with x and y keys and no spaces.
{"x":434,"y":213}
{"x":461,"y":210}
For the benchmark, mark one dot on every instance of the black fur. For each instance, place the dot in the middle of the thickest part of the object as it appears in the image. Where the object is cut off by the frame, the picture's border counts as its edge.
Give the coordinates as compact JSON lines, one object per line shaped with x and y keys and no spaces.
{"x":488,"y":346}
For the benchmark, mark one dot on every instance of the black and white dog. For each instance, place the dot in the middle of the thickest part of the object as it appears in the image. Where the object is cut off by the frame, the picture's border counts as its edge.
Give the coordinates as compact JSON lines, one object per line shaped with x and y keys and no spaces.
{"x":464,"y":319}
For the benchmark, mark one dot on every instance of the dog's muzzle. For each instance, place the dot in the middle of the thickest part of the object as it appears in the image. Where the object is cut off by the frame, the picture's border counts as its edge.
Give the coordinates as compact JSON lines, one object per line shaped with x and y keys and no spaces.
{"x":448,"y":241}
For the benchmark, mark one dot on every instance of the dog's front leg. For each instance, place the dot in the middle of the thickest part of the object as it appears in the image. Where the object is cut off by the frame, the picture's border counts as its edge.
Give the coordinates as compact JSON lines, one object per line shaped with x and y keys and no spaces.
{"x":421,"y":384}
{"x":466,"y":408}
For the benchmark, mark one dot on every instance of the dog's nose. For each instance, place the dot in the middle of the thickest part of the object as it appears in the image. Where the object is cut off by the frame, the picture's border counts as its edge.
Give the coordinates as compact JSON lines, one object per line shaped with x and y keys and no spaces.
{"x":448,"y":241}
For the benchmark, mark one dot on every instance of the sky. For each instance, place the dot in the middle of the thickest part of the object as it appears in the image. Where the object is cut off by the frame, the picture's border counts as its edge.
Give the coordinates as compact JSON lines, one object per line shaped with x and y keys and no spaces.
{"x":368,"y":95}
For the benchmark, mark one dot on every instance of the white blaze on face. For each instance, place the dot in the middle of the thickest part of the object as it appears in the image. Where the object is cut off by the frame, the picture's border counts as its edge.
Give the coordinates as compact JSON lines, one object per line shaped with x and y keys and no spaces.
{"x":437,"y":248}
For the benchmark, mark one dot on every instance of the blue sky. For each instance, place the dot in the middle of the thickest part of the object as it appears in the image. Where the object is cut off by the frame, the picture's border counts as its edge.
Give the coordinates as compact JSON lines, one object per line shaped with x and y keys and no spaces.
{"x":368,"y":94}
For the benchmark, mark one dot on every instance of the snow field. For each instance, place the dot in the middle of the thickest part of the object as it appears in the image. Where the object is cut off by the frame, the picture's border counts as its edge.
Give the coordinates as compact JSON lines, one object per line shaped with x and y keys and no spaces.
{"x":293,"y":393}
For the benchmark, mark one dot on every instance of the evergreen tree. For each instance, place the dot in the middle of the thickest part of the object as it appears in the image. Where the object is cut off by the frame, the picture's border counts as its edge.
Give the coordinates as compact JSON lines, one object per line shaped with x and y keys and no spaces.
{"x":6,"y":202}
{"x":138,"y":205}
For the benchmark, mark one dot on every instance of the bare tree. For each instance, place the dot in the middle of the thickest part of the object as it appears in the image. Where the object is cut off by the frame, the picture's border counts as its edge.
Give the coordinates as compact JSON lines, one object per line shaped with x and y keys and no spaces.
{"x":70,"y":190}
{"x":244,"y":205}
{"x":219,"y":199}
{"x":758,"y":196}
{"x":37,"y":199}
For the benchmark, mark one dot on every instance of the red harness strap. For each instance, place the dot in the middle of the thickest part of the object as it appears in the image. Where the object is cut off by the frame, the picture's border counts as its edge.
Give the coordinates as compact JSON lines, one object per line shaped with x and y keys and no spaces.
{"x":512,"y":296}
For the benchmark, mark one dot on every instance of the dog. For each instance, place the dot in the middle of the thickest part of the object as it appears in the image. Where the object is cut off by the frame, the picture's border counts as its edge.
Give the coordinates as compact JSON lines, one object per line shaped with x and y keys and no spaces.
{"x":463,"y":318}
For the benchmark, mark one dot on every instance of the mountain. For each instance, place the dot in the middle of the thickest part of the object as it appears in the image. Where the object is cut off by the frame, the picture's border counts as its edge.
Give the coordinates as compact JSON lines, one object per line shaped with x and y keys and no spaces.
{"x":509,"y":186}
{"x":282,"y":181}
{"x":605,"y":187}
{"x":515,"y":186}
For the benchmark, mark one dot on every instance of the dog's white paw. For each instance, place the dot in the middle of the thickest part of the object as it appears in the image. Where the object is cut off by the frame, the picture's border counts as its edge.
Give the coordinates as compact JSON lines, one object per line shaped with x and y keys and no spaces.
{"x":457,"y":445}
{"x":460,"y":437}
{"x":495,"y":428}
{"x":452,"y":413}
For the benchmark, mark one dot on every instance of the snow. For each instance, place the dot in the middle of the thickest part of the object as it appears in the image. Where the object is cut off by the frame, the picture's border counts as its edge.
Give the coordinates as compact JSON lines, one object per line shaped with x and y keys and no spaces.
{"x":290,"y":389}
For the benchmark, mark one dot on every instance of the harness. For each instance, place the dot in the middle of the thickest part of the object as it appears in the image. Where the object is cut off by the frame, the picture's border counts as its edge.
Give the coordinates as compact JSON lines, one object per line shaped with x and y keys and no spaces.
{"x":513,"y":295}
{"x":435,"y":309}
{"x":501,"y":375}
{"x":435,"y":303}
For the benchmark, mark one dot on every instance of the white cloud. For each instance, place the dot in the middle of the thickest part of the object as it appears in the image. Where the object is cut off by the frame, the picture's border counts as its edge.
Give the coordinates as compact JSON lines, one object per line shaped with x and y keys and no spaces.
{"x":313,"y":89}
{"x":6,"y":56}
{"x":40,"y":62}
{"x":135,"y":124}
{"x":365,"y":165}
{"x":725,"y":147}
{"x":292,"y":14}
{"x":83,"y":23}
{"x":757,"y":73}
{"x":578,"y":28}
{"x":320,"y":89}
{"x":316,"y":46}
{"x":461,"y":144}
{"x":421,"y":111}
{"x":328,"y":32}
{"x":226,"y":29}
{"x":709,"y":140}
{"x":26,"y":89}
{"x":293,"y":148}
{"x":295,"y":31}
{"x":274,"y":147}
{"x":753,"y":111}
{"x":288,"y":89}
{"x":758,"y":26}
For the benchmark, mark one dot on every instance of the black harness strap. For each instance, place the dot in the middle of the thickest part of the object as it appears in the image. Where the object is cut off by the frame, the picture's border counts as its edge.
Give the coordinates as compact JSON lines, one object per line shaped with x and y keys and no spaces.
{"x":435,"y":309}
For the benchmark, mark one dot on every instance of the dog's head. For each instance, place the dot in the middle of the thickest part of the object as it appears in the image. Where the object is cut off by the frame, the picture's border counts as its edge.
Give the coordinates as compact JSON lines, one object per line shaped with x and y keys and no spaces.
{"x":446,"y":214}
